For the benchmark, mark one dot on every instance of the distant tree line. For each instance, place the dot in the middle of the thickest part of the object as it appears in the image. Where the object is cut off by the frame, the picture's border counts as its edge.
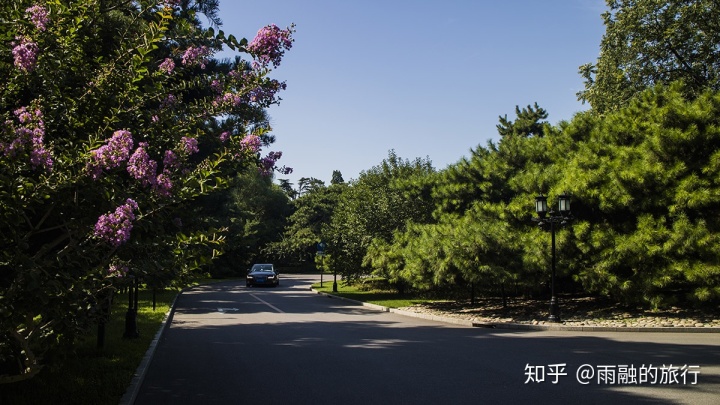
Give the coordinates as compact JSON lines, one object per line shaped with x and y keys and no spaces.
{"x":642,"y":166}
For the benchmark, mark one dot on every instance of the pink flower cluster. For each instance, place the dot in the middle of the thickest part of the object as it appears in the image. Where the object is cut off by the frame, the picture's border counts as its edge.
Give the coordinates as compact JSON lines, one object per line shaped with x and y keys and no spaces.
{"x":25,"y":53}
{"x":170,"y":161}
{"x":29,"y":137}
{"x":167,"y":66}
{"x":115,"y":227}
{"x":163,"y":184}
{"x":229,"y":100}
{"x":144,"y":169}
{"x":216,"y":86}
{"x":224,"y":136}
{"x":265,"y":95}
{"x":111,"y":155}
{"x":196,"y":55}
{"x":270,"y":44}
{"x":251,"y":143}
{"x":38,"y":15}
{"x":189,"y":145}
{"x":141,"y":167}
{"x":267,"y":164}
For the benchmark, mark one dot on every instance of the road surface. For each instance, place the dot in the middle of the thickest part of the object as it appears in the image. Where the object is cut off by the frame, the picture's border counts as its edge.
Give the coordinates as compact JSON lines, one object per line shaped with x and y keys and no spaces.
{"x":228,"y":344}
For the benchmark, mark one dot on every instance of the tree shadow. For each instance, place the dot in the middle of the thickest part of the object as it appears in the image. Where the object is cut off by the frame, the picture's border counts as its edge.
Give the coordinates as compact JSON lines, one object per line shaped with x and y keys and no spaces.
{"x":305,"y":355}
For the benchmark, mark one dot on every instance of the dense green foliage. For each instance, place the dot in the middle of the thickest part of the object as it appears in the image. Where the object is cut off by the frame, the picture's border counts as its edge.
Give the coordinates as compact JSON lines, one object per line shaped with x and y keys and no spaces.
{"x":312,"y":212}
{"x":254,"y":211}
{"x":650,"y":42}
{"x":647,"y":180}
{"x":644,"y":184}
{"x":380,"y":202}
{"x":115,"y":119}
{"x":88,"y":375}
{"x":641,"y":167}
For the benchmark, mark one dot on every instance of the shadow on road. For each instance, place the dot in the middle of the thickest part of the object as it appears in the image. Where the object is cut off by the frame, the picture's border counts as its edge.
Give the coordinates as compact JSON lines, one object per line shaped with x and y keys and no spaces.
{"x":305,"y":355}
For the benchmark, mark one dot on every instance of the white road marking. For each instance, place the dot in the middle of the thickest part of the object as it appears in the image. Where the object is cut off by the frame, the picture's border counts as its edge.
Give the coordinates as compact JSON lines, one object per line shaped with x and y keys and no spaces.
{"x":267,"y":303}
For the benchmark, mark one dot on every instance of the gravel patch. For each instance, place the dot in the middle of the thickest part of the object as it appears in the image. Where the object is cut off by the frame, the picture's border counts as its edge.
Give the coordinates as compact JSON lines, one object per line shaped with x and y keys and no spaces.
{"x":580,"y":312}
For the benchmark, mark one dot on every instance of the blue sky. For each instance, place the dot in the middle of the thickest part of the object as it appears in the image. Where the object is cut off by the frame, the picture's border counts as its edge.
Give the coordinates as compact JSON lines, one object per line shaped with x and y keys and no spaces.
{"x":425,"y":78}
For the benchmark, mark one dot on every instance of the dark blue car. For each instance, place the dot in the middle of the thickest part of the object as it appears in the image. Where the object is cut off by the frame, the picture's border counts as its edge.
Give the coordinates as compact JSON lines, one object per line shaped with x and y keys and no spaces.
{"x":262,"y":274}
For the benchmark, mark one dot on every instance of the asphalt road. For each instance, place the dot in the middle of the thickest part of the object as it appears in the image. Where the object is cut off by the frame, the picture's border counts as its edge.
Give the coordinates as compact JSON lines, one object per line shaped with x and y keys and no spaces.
{"x":228,"y":344}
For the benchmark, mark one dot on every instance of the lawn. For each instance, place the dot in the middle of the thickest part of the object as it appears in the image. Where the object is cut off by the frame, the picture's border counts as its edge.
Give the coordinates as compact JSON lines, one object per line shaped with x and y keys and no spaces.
{"x":372,"y":291}
{"x":96,"y":376}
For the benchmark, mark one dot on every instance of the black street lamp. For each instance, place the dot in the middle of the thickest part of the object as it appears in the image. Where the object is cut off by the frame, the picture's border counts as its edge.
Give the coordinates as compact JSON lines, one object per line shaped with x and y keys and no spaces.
{"x":131,"y":329}
{"x":334,"y":280}
{"x":552,"y":218}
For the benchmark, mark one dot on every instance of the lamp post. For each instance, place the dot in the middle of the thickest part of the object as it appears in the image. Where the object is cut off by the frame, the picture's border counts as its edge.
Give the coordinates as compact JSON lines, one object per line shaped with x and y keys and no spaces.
{"x":552,"y":218}
{"x":131,"y":329}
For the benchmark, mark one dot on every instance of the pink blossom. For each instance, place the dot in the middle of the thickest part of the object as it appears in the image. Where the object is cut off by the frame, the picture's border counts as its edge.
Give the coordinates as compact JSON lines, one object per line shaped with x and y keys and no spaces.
{"x":190,"y":145}
{"x":267,"y":164}
{"x":167,"y":66}
{"x":265,"y":95}
{"x":39,"y":156}
{"x":170,"y":161}
{"x":251,"y":143}
{"x":216,"y":86}
{"x":141,"y":167}
{"x":224,"y":136}
{"x":110,"y":155}
{"x":229,"y":99}
{"x":29,"y":138}
{"x":169,"y":101}
{"x":115,"y":227}
{"x":25,"y":52}
{"x":38,"y":15}
{"x":163,"y":185}
{"x":269,"y":45}
{"x":196,"y":55}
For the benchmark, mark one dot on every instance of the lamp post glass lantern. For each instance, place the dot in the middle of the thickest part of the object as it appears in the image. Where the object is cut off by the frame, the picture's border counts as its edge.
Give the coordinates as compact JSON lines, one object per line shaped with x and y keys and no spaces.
{"x":564,"y":204}
{"x":541,"y":205}
{"x":562,"y":217}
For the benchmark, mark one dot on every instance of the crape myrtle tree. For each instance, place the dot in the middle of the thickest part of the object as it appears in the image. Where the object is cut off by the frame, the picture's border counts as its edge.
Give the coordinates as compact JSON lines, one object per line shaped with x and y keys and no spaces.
{"x":110,"y":117}
{"x":649,"y":42}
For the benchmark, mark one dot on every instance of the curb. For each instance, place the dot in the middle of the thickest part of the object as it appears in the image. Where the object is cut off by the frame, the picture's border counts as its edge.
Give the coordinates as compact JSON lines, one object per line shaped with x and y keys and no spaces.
{"x":131,"y":394}
{"x":522,"y":326}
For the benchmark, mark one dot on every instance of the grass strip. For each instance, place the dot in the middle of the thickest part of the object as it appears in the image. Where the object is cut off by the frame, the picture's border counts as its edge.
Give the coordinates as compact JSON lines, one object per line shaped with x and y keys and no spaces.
{"x":377,"y":296}
{"x":96,"y":376}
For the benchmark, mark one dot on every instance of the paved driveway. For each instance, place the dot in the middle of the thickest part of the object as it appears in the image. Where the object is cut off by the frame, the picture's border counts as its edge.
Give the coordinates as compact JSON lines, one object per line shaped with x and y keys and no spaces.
{"x":228,"y":344}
